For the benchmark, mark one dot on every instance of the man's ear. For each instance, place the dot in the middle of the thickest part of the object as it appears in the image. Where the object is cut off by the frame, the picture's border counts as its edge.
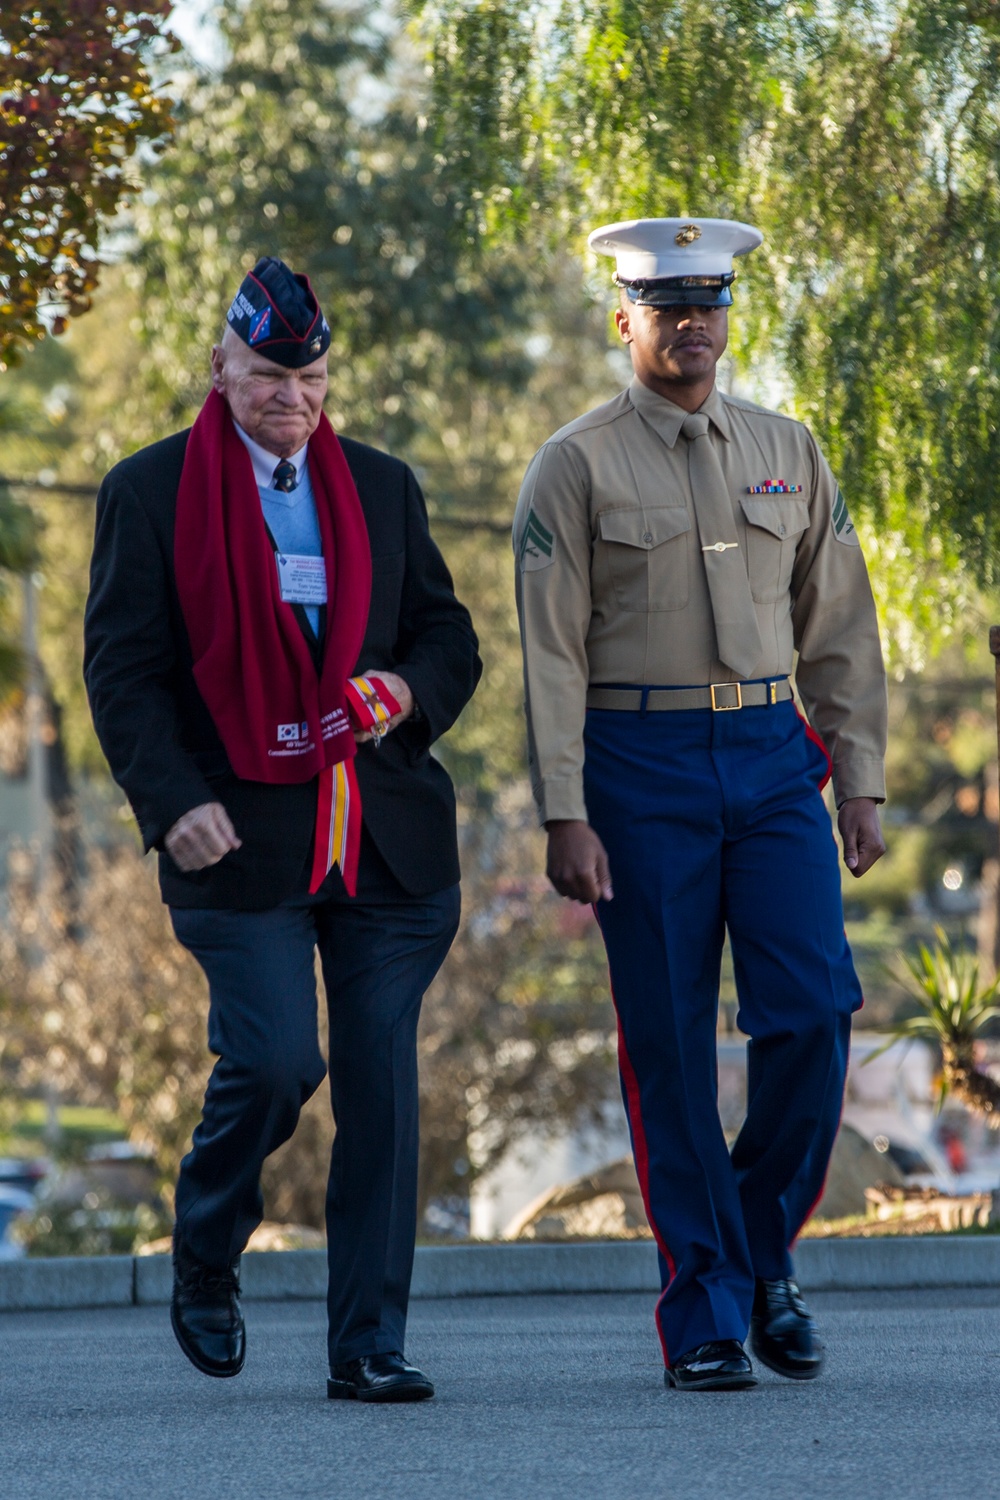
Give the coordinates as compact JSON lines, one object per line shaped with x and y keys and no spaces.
{"x":218,"y":363}
{"x":623,"y":325}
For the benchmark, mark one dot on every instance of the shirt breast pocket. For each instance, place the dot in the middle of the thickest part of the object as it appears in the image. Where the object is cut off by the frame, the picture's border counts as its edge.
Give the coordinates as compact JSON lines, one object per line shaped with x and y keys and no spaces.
{"x":647,"y":556}
{"x":774,"y":526}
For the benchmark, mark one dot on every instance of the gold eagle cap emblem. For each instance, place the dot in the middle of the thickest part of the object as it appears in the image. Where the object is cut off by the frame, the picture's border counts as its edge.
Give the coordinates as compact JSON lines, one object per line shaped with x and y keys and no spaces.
{"x":315,"y":346}
{"x":687,"y":235}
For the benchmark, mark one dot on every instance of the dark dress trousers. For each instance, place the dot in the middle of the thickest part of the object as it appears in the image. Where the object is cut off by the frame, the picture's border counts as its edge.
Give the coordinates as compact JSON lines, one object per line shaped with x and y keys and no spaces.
{"x":250,"y":921}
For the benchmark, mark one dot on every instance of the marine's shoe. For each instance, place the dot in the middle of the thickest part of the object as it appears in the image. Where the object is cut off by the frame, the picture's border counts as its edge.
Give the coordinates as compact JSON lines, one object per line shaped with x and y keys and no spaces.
{"x":377,"y":1377}
{"x":719,"y":1366}
{"x":782,"y":1333}
{"x":205,"y":1314}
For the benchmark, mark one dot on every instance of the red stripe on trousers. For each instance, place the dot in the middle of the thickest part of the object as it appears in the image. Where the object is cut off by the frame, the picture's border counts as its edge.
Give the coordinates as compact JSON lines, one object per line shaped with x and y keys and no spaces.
{"x":812,"y":735}
{"x":641,"y":1155}
{"x":818,"y":1198}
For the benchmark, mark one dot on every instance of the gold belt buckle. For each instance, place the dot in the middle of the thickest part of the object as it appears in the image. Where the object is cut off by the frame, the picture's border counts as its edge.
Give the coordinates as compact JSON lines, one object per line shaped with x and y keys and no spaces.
{"x":726,"y":708}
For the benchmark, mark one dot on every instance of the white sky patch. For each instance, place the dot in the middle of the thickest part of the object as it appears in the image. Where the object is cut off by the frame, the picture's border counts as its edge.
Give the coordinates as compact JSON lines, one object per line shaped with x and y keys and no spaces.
{"x":191,"y":22}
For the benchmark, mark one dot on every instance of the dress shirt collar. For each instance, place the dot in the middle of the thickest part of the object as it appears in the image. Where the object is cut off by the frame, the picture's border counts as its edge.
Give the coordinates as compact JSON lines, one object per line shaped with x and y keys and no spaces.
{"x":264,"y":463}
{"x":666,"y":419}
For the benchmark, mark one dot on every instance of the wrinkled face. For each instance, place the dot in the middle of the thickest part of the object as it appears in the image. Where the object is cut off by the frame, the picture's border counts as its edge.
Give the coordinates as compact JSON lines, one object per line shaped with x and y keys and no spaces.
{"x":279,"y":408}
{"x":673,"y":345}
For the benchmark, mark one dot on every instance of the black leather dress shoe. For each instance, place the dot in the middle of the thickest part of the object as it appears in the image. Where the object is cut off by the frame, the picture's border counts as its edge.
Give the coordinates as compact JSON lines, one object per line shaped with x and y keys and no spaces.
{"x":720,"y":1366}
{"x":782,"y":1334}
{"x":377,"y":1377}
{"x":206,"y":1315}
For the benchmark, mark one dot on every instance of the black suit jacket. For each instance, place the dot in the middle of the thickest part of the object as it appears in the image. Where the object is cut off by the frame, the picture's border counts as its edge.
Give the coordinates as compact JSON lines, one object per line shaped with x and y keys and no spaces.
{"x":159,"y":738}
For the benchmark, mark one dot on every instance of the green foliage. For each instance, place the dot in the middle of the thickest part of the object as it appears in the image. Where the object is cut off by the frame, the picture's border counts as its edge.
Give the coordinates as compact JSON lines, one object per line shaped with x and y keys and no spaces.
{"x":954,"y":1004}
{"x":605,"y":109}
{"x":75,"y":103}
{"x":18,"y":534}
{"x":954,"y":1008}
{"x":862,"y":139}
{"x":517,"y":1033}
{"x":103,"y":1225}
{"x":307,"y":143}
{"x":18,"y":553}
{"x":891,"y":884}
{"x":273,"y":157}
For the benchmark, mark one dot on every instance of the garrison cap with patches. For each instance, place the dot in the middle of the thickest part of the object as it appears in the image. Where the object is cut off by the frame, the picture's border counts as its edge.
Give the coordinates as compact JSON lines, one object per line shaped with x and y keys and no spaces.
{"x":277,"y":314}
{"x":676,"y":262}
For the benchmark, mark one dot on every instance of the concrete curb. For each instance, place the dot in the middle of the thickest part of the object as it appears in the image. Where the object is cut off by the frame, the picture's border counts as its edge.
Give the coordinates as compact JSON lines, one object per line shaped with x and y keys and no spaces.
{"x":503,"y":1270}
{"x":509,"y":1270}
{"x":66,"y":1281}
{"x":898,"y":1263}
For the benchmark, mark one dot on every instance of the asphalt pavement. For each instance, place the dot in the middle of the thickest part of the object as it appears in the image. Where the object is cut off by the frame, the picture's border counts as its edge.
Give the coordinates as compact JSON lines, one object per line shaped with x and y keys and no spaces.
{"x":538,"y":1397}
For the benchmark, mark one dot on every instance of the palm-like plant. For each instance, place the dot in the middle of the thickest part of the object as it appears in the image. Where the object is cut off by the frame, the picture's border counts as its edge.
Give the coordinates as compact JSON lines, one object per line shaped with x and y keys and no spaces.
{"x":954,"y":1009}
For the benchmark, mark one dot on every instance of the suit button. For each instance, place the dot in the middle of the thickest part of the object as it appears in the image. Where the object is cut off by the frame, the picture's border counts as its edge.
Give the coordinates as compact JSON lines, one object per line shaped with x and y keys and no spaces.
{"x":781,"y":529}
{"x":647,"y":537}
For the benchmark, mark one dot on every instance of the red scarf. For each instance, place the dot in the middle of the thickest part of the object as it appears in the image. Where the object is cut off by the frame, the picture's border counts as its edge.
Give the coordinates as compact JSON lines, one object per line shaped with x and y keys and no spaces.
{"x":278,"y":719}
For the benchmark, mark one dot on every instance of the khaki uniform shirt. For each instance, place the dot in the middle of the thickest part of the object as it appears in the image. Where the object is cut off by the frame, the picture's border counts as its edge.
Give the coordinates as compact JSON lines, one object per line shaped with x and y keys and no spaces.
{"x":611,"y":585}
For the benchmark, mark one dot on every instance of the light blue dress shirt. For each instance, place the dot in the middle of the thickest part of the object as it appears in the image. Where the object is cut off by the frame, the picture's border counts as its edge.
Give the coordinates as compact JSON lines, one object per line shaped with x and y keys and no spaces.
{"x":290,"y":514}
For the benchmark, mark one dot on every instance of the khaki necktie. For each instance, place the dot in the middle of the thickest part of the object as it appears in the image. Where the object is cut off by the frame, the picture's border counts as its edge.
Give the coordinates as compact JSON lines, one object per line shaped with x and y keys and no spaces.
{"x":739,"y":643}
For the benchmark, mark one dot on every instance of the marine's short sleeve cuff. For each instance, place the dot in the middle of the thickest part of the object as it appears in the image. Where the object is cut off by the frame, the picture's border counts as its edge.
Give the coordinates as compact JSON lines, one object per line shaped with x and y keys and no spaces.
{"x":858,"y":777}
{"x":560,"y":800}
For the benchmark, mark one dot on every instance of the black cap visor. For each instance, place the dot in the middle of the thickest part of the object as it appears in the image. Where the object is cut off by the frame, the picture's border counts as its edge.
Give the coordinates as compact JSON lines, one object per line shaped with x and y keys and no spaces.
{"x":681,"y":291}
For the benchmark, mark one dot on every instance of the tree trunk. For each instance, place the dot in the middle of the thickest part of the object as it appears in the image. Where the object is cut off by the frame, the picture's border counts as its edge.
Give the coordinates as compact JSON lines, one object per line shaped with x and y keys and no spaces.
{"x":988,"y":922}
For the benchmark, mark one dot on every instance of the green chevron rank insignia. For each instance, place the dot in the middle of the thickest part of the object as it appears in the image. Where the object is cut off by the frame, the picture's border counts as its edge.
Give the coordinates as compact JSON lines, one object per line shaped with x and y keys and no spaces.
{"x":537,"y":544}
{"x":843,"y":526}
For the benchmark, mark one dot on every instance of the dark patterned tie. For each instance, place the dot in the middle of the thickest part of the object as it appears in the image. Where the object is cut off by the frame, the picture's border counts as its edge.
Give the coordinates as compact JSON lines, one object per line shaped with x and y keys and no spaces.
{"x":284,"y":477}
{"x":736,"y":629}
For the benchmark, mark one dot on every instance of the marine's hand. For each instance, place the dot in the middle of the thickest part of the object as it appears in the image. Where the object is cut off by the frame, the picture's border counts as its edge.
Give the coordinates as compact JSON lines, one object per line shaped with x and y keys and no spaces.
{"x":861,"y":832}
{"x":577,"y":864}
{"x":400,"y":690}
{"x":201,"y":837}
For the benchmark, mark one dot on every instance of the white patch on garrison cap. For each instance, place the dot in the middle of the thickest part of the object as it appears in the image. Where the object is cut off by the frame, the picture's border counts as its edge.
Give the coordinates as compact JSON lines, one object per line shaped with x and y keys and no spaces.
{"x":239,"y":308}
{"x":651,"y":249}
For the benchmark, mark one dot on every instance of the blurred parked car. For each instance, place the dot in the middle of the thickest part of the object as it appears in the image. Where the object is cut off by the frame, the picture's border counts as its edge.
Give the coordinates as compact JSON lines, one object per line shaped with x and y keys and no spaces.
{"x":28,"y":1175}
{"x":13,"y":1203}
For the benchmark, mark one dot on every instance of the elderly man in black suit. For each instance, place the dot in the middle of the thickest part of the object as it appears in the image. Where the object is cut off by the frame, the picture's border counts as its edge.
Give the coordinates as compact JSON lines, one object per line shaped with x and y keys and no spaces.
{"x":272,"y":647}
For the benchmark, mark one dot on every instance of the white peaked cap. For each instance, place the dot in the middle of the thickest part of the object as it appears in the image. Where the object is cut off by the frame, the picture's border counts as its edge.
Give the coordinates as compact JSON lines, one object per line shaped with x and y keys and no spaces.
{"x":650,"y":249}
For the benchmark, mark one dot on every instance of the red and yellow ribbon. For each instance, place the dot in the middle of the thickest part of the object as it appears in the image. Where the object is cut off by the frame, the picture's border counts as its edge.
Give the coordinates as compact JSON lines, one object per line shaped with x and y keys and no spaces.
{"x":338,"y":808}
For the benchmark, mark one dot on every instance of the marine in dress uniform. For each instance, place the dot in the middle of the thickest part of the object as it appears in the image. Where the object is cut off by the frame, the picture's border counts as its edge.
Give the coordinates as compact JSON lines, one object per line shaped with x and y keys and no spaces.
{"x":273,"y":644}
{"x":677,"y":550}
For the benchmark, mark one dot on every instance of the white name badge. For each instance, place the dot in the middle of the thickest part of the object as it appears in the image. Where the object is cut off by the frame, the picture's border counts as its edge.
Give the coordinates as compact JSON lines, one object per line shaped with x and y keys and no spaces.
{"x":302,"y":579}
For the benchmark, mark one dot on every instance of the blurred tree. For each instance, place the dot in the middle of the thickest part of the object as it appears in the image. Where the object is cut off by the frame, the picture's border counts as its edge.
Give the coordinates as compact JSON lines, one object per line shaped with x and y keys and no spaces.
{"x":75,"y":103}
{"x":100,"y":1001}
{"x":303,"y":146}
{"x":306,"y":142}
{"x":18,"y":551}
{"x":517,"y":1038}
{"x":79,"y":402}
{"x":862,"y":139}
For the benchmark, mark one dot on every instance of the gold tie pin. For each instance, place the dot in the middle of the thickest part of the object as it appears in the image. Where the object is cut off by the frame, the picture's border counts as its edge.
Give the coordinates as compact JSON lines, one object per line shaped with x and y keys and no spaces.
{"x":719,"y":546}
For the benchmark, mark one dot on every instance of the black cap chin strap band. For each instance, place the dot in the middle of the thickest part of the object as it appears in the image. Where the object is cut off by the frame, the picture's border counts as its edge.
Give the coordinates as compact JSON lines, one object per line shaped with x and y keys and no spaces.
{"x":680,"y":291}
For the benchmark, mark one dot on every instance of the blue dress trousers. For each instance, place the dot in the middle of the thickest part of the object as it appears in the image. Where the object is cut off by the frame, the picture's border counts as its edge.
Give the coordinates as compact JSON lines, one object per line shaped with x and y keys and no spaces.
{"x":715,"y":821}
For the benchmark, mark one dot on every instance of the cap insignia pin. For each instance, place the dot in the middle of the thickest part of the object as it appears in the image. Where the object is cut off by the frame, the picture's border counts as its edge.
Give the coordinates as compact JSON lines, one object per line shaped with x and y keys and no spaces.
{"x":687,"y":235}
{"x":315,"y":346}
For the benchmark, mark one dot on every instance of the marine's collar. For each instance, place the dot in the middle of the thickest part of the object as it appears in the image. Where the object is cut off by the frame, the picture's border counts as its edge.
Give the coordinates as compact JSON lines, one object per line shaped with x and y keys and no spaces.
{"x":666,"y":419}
